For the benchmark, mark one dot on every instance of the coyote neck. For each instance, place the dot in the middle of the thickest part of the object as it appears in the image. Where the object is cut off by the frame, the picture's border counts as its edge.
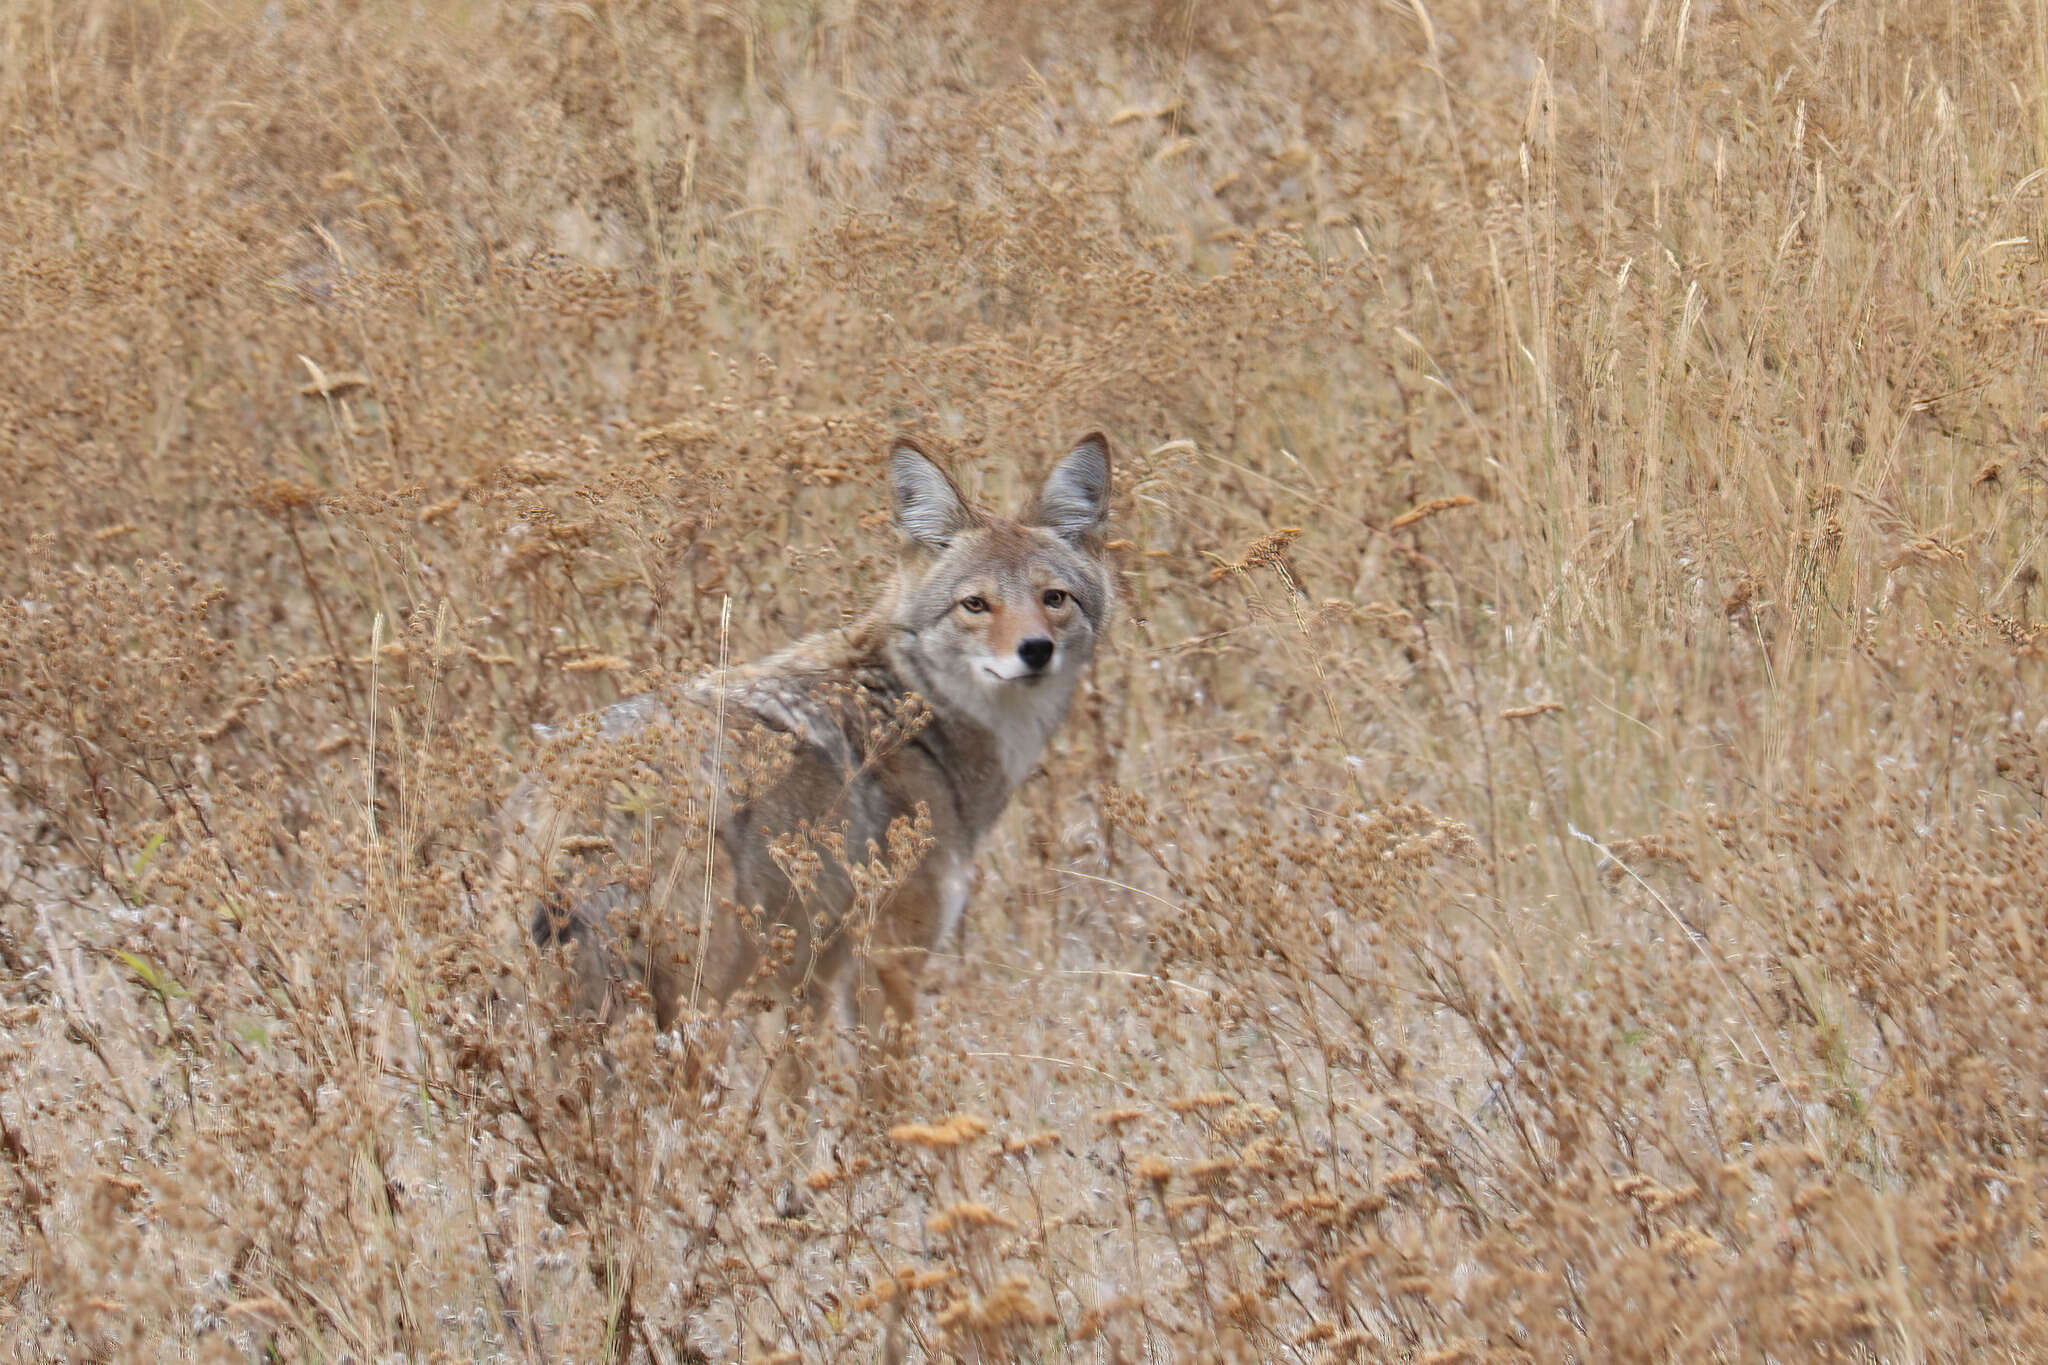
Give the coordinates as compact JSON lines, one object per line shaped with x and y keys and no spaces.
{"x":980,"y":746}
{"x":983,"y":745}
{"x":981,"y":765}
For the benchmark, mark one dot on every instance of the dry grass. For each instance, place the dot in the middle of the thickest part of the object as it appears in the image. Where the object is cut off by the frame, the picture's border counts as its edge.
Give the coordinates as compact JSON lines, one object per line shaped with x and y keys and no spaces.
{"x":1550,"y":869}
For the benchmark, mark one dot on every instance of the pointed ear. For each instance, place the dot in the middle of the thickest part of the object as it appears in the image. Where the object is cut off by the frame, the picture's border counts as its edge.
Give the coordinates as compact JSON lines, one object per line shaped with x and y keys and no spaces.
{"x":929,"y":510}
{"x":1074,"y":503}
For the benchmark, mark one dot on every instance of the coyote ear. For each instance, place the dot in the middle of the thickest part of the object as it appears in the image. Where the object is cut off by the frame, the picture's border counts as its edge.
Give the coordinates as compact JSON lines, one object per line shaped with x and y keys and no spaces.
{"x":1075,"y":500}
{"x":929,"y":509}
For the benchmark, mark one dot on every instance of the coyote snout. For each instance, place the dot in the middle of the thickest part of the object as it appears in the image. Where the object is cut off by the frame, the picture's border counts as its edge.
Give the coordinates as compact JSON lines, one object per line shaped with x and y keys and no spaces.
{"x":819,"y":810}
{"x":1020,"y":633}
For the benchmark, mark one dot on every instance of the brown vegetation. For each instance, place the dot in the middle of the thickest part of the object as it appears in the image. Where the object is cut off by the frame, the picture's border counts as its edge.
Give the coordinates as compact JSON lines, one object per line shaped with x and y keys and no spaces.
{"x":1549,"y":866}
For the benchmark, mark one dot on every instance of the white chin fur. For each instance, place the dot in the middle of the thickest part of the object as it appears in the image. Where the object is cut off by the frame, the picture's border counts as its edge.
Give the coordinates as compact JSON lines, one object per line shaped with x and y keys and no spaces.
{"x":1019,"y":708}
{"x":1010,"y":668}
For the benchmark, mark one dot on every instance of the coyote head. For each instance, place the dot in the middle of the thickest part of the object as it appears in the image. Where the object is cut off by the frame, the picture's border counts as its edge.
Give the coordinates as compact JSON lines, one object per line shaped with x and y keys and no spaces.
{"x":996,"y":616}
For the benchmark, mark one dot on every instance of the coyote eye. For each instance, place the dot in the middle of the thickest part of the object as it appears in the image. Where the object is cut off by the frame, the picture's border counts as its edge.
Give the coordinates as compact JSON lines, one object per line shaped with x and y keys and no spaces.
{"x":975,"y":605}
{"x":1054,"y":597}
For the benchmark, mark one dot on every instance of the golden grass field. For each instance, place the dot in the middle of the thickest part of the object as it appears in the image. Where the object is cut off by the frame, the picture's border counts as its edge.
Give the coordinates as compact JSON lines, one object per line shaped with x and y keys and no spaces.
{"x":1549,"y":867}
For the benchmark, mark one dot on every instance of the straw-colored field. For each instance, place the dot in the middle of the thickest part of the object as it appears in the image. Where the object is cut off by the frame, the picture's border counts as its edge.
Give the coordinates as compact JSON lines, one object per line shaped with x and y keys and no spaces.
{"x":1549,"y":867}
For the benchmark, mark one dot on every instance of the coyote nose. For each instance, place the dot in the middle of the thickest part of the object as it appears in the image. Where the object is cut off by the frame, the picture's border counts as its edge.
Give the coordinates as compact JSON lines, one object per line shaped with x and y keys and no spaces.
{"x":1036,"y":653}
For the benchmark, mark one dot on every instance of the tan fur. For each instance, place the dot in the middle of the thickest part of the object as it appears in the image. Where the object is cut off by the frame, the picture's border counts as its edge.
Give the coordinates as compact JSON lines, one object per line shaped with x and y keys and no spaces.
{"x":840,"y":786}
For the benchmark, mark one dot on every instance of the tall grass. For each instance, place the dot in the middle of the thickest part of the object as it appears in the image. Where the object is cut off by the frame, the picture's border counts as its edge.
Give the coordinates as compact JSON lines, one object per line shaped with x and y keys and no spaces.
{"x":1549,"y":869}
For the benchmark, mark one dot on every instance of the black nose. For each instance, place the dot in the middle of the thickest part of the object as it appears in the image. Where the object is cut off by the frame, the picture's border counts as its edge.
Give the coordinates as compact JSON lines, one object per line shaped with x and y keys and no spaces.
{"x":1036,"y":652}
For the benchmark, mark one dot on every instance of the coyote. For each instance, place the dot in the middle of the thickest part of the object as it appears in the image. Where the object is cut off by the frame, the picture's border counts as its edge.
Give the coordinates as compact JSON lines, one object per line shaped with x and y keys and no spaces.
{"x":774,"y":825}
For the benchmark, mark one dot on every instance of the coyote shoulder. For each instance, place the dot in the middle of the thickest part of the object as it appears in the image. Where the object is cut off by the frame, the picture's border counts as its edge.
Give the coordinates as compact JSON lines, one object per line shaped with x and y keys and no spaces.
{"x":777,"y":824}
